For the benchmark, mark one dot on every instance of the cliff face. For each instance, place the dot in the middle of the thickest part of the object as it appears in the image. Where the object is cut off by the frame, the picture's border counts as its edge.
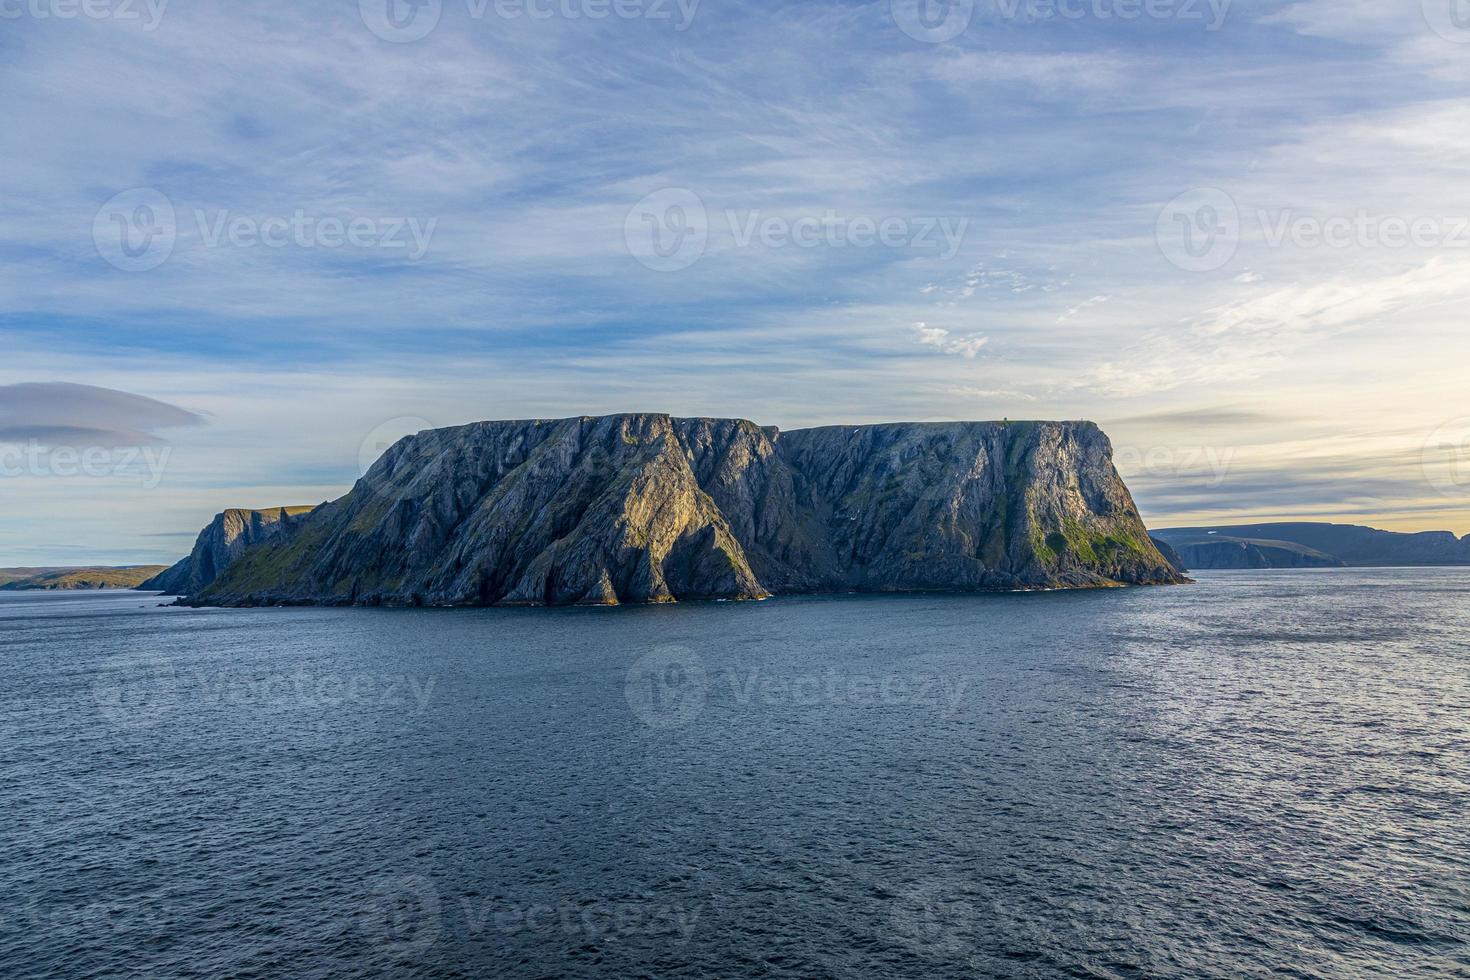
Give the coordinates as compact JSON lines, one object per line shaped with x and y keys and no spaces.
{"x":648,"y":508}
{"x":1175,"y":560}
{"x":219,"y":544}
{"x":1305,"y":544}
{"x":1241,"y":553}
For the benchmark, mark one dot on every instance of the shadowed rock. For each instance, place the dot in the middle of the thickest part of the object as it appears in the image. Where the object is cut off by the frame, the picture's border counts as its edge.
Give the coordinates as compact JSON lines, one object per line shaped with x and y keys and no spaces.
{"x":1313,"y":544}
{"x":219,"y":544}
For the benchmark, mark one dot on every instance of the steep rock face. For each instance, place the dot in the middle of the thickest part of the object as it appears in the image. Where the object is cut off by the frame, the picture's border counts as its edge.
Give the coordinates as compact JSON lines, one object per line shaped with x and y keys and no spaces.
{"x":1220,"y":553}
{"x":220,"y":544}
{"x":1306,"y":544}
{"x":648,"y":508}
{"x":972,"y":506}
{"x":1171,"y":556}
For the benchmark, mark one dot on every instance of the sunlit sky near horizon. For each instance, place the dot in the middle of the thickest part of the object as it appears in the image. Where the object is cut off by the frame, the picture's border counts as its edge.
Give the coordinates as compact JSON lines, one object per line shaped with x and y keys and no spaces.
{"x":1237,"y":235}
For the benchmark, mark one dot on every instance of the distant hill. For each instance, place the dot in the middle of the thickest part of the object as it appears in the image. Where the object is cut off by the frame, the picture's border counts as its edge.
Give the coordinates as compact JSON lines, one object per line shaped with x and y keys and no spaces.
{"x":93,"y":577}
{"x":1311,"y":545}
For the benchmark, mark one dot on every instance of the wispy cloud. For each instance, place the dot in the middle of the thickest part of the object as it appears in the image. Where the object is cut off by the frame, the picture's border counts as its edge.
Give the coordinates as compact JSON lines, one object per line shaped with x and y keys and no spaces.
{"x":528,"y":143}
{"x":946,"y":343}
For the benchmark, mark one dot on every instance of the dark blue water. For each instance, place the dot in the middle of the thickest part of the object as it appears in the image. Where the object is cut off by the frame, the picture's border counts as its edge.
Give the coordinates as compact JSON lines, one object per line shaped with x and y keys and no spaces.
{"x":1262,"y":773}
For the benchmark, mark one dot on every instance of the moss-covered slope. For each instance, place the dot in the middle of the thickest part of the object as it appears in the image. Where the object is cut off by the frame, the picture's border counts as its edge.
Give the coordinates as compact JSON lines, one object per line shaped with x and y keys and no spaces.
{"x":90,"y":577}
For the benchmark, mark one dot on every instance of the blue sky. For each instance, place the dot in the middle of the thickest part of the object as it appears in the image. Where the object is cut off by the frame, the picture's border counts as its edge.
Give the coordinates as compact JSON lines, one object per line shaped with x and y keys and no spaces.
{"x":1176,"y":217}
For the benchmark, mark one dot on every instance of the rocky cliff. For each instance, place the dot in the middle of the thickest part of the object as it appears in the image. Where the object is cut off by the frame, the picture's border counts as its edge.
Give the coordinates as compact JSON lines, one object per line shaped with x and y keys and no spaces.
{"x":1175,"y":560}
{"x":649,"y":508}
{"x":1309,"y":544}
{"x":219,"y":544}
{"x":1227,"y":552}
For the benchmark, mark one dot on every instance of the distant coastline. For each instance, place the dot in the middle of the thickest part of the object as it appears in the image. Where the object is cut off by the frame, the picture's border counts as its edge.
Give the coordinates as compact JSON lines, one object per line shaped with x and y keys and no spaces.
{"x":76,"y":578}
{"x":1311,"y":544}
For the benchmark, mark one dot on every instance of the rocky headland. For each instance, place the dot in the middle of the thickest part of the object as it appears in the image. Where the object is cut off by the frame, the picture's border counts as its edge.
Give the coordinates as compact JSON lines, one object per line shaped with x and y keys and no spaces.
{"x":219,"y":544}
{"x":651,"y":508}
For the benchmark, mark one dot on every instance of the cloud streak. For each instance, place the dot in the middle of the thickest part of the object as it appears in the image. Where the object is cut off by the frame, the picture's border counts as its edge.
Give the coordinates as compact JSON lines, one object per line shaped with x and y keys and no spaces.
{"x":62,"y":413}
{"x":528,"y":142}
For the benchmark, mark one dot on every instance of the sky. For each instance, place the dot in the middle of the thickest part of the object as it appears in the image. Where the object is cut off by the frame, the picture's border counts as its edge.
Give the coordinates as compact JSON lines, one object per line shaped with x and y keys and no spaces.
{"x":244,"y":246}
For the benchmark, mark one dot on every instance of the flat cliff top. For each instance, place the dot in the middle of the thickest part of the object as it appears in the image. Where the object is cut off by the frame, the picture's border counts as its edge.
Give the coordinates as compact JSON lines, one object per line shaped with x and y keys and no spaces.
{"x":292,"y":510}
{"x":933,"y":424}
{"x":650,"y":507}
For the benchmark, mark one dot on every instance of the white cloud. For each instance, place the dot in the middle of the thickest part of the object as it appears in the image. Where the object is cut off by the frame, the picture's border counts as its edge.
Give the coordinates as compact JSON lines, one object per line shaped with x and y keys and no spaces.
{"x":1248,"y":338}
{"x":946,"y":343}
{"x":529,"y":141}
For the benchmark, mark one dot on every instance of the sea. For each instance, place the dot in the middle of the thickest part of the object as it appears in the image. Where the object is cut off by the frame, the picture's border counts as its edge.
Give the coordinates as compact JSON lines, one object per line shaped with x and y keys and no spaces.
{"x":1263,"y":773}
